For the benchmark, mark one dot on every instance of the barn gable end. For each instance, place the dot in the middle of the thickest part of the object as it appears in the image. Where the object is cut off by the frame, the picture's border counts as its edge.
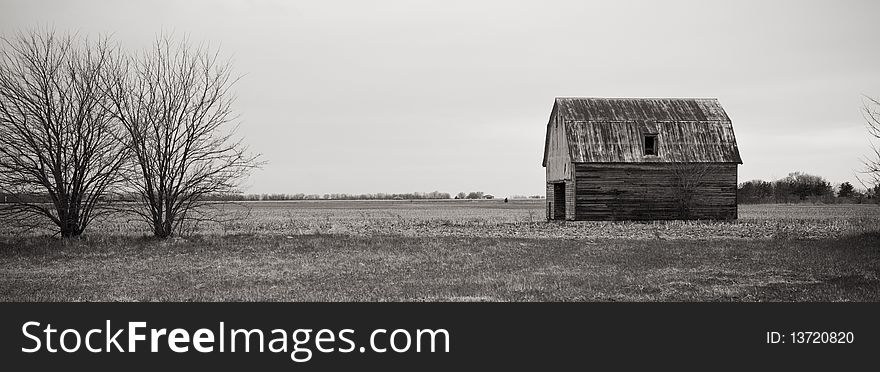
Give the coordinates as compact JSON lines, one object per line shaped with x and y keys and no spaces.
{"x":640,"y":158}
{"x":557,"y":155}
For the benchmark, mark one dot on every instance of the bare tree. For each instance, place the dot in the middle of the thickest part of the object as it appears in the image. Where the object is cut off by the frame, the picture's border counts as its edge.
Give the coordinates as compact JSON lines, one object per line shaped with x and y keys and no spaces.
{"x":687,"y":178}
{"x":59,"y":148}
{"x":871,"y":112}
{"x":174,"y":101}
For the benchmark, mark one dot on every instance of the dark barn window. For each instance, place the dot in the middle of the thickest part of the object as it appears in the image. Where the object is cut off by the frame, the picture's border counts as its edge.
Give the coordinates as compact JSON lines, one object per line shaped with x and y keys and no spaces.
{"x":651,"y":144}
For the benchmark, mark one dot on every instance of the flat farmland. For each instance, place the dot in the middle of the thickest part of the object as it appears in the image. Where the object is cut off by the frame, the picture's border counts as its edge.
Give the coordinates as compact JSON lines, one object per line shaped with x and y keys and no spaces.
{"x":484,"y":250}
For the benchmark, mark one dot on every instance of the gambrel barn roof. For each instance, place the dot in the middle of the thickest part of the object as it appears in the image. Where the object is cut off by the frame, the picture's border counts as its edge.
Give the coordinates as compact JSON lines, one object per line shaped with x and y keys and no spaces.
{"x":611,"y":130}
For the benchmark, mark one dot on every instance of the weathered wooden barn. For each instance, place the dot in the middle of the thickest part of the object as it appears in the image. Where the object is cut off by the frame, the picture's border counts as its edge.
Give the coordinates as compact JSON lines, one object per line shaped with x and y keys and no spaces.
{"x":640,"y":159}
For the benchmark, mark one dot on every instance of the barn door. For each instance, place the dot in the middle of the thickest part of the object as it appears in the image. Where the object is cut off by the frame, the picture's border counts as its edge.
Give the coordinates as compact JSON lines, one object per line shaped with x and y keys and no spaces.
{"x":559,"y":201}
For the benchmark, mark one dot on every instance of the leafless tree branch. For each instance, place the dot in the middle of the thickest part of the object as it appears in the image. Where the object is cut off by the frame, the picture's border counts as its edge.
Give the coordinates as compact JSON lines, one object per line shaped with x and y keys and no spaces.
{"x":174,"y":101}
{"x":687,"y":178}
{"x":60,"y":152}
{"x":870,"y":177}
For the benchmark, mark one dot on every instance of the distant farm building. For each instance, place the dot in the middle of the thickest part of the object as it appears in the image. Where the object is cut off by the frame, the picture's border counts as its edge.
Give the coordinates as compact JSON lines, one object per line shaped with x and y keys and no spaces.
{"x":640,"y":159}
{"x":488,"y":196}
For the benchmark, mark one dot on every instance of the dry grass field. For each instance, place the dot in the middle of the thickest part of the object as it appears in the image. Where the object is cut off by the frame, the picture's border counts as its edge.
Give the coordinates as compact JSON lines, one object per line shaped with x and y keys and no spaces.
{"x":455,"y":251}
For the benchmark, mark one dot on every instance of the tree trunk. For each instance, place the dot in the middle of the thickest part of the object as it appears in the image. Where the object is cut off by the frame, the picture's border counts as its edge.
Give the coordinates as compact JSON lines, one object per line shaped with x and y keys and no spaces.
{"x":162,"y":229}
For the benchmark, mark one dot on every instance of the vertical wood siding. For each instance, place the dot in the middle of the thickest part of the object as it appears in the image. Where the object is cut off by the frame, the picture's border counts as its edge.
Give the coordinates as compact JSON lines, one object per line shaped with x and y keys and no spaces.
{"x":558,"y":159}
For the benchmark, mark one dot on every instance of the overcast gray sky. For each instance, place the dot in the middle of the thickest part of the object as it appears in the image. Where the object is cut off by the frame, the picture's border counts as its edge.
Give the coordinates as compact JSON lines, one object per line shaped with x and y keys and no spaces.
{"x":402,"y":96}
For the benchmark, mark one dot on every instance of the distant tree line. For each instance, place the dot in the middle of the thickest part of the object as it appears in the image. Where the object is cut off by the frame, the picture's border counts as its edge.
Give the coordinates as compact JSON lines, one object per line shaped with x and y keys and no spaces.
{"x":234,"y":197}
{"x":433,"y":195}
{"x":470,"y":195}
{"x":333,"y":196}
{"x":800,"y":187}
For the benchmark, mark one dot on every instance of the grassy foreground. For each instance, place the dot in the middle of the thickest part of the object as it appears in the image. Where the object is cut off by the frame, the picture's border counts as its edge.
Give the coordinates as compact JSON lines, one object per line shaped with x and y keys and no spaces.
{"x":322,"y":267}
